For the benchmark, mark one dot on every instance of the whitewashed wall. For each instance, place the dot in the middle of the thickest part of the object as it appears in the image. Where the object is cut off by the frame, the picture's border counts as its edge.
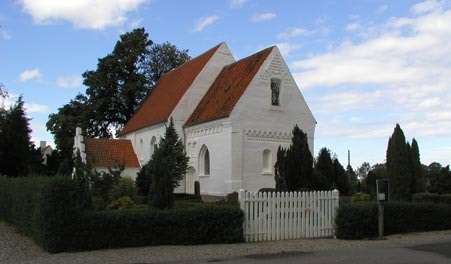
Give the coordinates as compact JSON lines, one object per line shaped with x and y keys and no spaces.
{"x":216,"y":136}
{"x":128,"y":172}
{"x":141,"y":140}
{"x":200,"y":86}
{"x":257,"y":125}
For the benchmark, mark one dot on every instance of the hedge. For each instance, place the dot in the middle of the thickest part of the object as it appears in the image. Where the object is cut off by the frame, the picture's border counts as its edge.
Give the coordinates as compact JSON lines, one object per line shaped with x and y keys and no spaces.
{"x":56,"y":214}
{"x":203,"y":223}
{"x":431,"y":198}
{"x":359,"y":220}
{"x":42,"y":207}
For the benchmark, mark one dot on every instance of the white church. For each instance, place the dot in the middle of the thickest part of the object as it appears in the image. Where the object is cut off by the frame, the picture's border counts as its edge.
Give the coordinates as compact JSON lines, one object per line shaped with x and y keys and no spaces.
{"x":231,"y":115}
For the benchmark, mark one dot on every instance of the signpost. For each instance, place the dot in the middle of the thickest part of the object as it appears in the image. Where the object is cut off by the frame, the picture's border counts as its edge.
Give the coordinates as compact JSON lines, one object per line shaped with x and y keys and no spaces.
{"x":382,"y":197}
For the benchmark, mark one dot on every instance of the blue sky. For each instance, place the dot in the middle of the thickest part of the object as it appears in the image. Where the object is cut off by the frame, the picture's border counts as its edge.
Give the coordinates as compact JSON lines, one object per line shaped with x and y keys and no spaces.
{"x":362,"y":65}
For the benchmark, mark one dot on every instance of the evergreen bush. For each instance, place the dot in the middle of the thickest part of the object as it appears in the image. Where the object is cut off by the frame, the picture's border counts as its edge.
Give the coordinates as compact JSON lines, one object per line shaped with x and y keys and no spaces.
{"x":124,"y":187}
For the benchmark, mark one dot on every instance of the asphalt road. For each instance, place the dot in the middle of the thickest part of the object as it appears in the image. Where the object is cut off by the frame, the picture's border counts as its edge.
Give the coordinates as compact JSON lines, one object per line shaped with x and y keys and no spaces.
{"x":433,"y":253}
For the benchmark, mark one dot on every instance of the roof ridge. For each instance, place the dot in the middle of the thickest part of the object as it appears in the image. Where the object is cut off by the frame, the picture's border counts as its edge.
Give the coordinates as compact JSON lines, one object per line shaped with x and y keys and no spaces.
{"x":228,"y":87}
{"x":160,"y":102}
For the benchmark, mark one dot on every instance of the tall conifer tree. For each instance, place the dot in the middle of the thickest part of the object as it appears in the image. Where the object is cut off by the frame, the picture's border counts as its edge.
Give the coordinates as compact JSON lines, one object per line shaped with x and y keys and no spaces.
{"x":295,"y":165}
{"x":399,"y":171}
{"x":15,"y":142}
{"x":169,"y":165}
{"x":418,"y":183}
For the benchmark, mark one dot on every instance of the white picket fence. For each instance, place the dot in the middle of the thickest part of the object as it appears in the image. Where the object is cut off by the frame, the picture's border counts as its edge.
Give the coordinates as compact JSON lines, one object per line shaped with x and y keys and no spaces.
{"x":288,"y":215}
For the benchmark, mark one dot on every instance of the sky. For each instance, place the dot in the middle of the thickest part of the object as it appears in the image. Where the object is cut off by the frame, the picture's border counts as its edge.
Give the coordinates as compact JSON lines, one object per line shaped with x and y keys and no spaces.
{"x":362,"y":65}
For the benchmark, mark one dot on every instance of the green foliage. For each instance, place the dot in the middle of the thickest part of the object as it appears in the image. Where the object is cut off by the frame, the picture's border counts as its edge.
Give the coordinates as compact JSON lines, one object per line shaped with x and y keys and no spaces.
{"x":356,"y":220}
{"x":399,"y":170}
{"x":352,"y":178}
{"x":119,"y":84}
{"x":324,"y":165}
{"x":360,"y":197}
{"x":294,"y":166}
{"x":116,"y":88}
{"x":359,"y":220}
{"x":196,"y":224}
{"x":341,"y":178}
{"x":162,"y":58}
{"x":16,"y":148}
{"x":418,"y":181}
{"x":431,"y":198}
{"x":124,"y":187}
{"x":169,"y":166}
{"x":62,"y":125}
{"x":43,"y":208}
{"x":438,"y":178}
{"x":124,"y":202}
{"x":144,"y":178}
{"x":55,"y":213}
{"x":280,"y":171}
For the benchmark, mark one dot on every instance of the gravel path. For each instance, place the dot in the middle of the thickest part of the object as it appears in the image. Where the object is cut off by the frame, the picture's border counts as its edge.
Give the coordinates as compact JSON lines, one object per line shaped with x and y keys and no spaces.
{"x":15,"y":248}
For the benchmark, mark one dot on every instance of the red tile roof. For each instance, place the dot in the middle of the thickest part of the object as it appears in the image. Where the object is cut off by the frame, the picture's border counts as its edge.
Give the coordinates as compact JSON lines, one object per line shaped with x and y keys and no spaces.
{"x":168,"y":91}
{"x":108,"y":152}
{"x":227,"y":89}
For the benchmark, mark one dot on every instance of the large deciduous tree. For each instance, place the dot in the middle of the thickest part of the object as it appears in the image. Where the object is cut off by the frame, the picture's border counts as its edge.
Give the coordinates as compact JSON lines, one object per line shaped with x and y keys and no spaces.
{"x":399,"y":171}
{"x":118,"y":85}
{"x":294,"y":166}
{"x":115,"y":89}
{"x":163,"y":58}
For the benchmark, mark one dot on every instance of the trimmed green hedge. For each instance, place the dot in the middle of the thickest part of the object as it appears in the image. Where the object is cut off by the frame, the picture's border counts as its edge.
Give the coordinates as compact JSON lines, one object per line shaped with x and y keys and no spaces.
{"x":42,"y":207}
{"x":55,"y":213}
{"x":198,"y":224}
{"x":431,"y":198}
{"x":359,"y":220}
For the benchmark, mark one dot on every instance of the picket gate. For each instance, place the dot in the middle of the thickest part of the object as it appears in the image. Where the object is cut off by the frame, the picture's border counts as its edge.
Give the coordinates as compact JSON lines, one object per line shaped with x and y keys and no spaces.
{"x":288,"y":215}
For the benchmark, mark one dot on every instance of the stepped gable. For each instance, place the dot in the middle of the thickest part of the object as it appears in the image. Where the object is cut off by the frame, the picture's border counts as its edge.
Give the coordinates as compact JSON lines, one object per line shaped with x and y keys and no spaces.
{"x":161,"y":101}
{"x":227,"y":89}
{"x":109,"y":152}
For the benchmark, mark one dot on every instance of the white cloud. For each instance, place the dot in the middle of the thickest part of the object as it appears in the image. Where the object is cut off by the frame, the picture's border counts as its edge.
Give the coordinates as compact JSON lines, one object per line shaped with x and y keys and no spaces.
{"x":237,"y":3}
{"x":29,"y":107}
{"x":81,"y":13}
{"x":353,"y":26}
{"x":203,"y":22}
{"x":426,"y":6}
{"x":286,"y":48}
{"x":29,"y":74}
{"x":292,"y":32}
{"x":135,"y":23}
{"x":5,"y":35}
{"x":381,"y":9}
{"x":70,"y":81}
{"x":259,"y":17}
{"x":402,"y":68}
{"x":36,"y":108}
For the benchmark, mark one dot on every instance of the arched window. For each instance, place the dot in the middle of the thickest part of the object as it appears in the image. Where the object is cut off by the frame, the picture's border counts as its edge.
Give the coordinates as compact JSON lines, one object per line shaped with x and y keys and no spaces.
{"x":204,"y":161}
{"x":266,"y":162}
{"x":153,"y":144}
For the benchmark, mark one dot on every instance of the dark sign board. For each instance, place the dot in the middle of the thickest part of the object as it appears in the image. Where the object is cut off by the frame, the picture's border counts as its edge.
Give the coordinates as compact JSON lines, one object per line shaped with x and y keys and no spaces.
{"x":382,"y":190}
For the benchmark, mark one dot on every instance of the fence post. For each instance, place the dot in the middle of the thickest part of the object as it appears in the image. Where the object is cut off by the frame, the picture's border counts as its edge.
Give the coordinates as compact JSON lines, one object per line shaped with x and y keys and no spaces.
{"x":336,"y":204}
